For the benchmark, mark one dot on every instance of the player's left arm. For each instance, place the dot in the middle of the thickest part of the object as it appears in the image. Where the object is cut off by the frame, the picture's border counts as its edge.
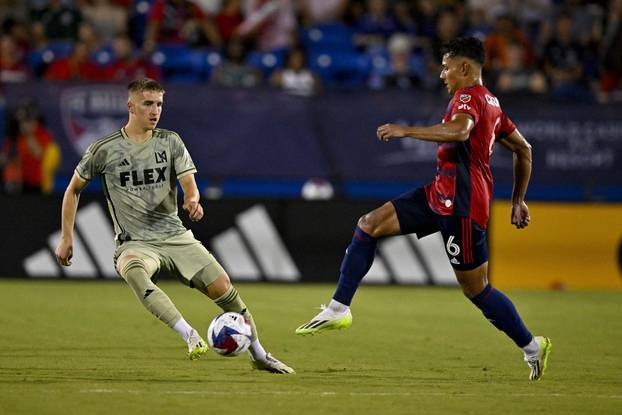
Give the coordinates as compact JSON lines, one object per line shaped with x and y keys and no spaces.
{"x":191,"y":197}
{"x":457,"y":129}
{"x":517,"y":144}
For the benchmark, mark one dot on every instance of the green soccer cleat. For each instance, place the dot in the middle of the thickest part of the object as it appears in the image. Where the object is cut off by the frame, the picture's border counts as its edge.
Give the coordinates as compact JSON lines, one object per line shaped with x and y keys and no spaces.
{"x":327,"y":319}
{"x":197,"y":347}
{"x":538,"y":363}
{"x":272,"y":365}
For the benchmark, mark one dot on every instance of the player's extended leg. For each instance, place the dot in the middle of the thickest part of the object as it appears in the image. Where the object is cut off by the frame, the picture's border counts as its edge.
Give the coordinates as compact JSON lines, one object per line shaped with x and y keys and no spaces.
{"x":227,"y":298}
{"x":137,"y":270}
{"x":500,"y":311}
{"x":356,"y":263}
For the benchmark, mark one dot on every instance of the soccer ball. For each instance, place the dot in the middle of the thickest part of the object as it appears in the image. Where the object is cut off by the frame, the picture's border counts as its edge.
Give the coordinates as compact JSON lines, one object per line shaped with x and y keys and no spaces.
{"x":317,"y":189}
{"x":229,"y":334}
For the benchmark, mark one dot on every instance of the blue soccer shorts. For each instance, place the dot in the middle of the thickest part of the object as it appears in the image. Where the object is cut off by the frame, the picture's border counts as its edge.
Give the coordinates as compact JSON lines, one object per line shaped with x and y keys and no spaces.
{"x":465,"y":241}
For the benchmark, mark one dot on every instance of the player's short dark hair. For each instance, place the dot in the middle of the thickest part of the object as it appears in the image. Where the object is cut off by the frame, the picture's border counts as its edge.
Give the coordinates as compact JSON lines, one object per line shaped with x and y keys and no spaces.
{"x":144,"y":84}
{"x":466,"y":47}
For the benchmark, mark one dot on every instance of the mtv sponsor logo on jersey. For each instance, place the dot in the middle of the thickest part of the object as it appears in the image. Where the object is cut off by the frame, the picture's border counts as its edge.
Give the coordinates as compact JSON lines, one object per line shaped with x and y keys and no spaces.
{"x":91,"y":112}
{"x":144,"y":177}
{"x":464,"y":107}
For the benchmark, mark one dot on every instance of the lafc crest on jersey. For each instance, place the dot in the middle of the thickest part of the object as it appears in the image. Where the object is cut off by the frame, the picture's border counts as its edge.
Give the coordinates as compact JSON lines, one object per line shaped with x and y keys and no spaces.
{"x":160,"y":156}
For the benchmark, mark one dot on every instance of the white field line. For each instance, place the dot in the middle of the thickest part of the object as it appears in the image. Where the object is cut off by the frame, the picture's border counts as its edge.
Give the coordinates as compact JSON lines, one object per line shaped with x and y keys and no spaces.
{"x":341,"y":394}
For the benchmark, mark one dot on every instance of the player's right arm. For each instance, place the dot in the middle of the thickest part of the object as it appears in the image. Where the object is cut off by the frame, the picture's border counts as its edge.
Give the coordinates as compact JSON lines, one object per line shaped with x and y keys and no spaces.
{"x":517,"y":144}
{"x":64,"y":249}
{"x":455,"y":130}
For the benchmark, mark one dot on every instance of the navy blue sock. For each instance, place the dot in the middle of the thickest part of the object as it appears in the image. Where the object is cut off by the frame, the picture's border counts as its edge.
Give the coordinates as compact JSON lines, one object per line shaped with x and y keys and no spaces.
{"x":357,"y":261}
{"x":500,"y":311}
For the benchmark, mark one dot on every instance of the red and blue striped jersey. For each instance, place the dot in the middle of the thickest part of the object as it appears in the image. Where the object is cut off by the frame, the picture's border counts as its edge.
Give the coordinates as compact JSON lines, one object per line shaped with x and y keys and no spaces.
{"x":463,"y":185}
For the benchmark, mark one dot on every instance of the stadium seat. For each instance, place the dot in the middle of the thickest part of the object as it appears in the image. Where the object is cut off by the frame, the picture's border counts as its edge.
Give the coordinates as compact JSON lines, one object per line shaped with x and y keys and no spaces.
{"x":61,"y":48}
{"x":267,"y":62}
{"x":340,"y":69}
{"x":181,"y":64}
{"x":103,"y":56}
{"x":212,"y":58}
{"x":138,"y":17}
{"x":39,"y":59}
{"x":381,"y":61}
{"x":328,"y":37}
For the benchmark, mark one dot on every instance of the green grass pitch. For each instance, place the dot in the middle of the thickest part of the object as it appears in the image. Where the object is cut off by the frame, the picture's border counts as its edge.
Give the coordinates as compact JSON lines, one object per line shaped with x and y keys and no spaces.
{"x":90,"y":348}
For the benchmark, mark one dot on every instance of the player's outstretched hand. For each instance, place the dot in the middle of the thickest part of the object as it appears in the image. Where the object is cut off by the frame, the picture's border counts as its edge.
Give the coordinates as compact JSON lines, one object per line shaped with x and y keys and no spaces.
{"x":520,"y":215}
{"x":195,"y":210}
{"x":388,"y":131}
{"x":64,"y":252}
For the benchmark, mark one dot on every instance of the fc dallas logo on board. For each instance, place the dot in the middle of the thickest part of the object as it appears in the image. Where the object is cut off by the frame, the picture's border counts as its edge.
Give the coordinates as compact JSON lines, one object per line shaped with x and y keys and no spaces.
{"x":92,"y":112}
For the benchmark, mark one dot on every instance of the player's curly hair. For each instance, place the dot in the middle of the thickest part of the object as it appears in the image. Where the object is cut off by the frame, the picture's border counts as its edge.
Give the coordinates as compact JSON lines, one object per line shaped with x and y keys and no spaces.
{"x":466,"y":47}
{"x":144,"y":84}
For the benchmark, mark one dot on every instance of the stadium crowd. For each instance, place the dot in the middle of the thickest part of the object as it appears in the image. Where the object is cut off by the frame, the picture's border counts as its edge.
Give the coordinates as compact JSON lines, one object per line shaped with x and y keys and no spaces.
{"x":570,"y":49}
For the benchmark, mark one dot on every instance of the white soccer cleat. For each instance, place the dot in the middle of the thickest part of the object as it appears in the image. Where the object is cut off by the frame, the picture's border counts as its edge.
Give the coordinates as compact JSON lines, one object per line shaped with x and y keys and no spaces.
{"x":327,"y":319}
{"x":538,"y":363}
{"x":272,"y":365}
{"x":197,"y":347}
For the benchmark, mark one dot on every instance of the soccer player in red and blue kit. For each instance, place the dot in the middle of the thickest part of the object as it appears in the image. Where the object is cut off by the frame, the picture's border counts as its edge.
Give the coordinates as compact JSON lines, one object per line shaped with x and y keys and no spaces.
{"x":456,"y":203}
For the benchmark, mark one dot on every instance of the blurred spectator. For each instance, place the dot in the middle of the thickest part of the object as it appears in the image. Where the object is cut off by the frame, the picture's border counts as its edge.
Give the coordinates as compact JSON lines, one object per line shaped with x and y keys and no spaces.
{"x":211,"y":7}
{"x":447,"y":28}
{"x":76,"y":67}
{"x":38,"y":38}
{"x":587,"y":20}
{"x":492,"y":8}
{"x":296,"y":78}
{"x":59,"y":20}
{"x":313,"y":12}
{"x":587,"y":30}
{"x":19,"y":32}
{"x":426,"y":14}
{"x":10,"y":163}
{"x":611,"y":77}
{"x":354,"y":12}
{"x":516,"y":77}
{"x":137,"y":19}
{"x":404,"y":15}
{"x":179,"y":22}
{"x":106,"y":18}
{"x":234,"y":71}
{"x":532,"y":15}
{"x":523,"y":30}
{"x":126,"y":65}
{"x":477,"y":24}
{"x":30,"y":156}
{"x":12,"y":65}
{"x":506,"y":32}
{"x":403,"y":71}
{"x":376,"y":25}
{"x":270,"y":24}
{"x":88,"y":36}
{"x":228,"y":19}
{"x":563,"y":58}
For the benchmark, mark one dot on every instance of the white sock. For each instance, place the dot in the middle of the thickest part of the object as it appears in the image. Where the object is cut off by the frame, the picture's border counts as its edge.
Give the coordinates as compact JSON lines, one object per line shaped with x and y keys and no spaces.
{"x":337,"y":307}
{"x":183,"y":329}
{"x":532,"y":348}
{"x":257,"y":350}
